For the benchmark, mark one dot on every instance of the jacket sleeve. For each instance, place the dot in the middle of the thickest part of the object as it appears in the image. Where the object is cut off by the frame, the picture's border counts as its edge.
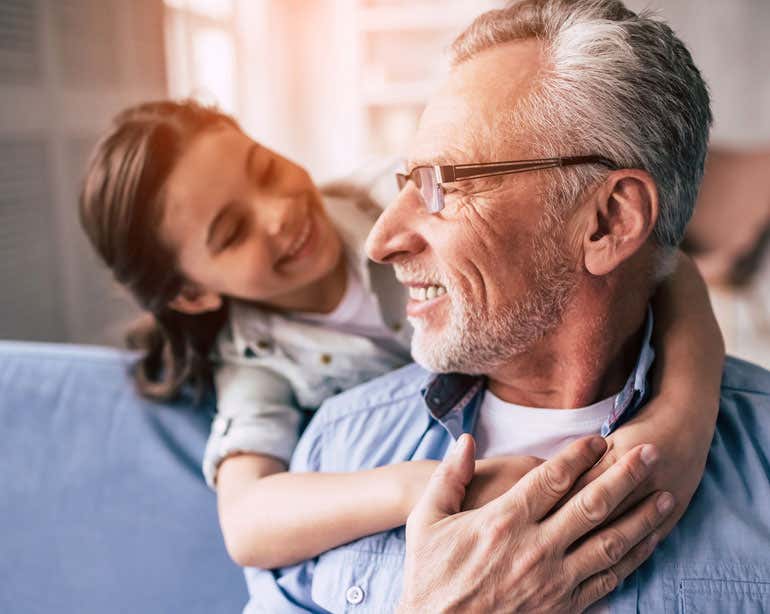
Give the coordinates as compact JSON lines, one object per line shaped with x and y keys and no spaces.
{"x":256,"y":413}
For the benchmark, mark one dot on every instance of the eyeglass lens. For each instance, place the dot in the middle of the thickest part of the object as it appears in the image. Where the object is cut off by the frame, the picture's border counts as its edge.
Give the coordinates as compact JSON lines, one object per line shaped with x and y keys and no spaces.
{"x":425,"y":182}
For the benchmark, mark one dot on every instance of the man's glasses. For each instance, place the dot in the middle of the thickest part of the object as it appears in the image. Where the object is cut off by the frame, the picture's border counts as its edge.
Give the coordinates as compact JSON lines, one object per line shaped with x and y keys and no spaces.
{"x":429,"y":179}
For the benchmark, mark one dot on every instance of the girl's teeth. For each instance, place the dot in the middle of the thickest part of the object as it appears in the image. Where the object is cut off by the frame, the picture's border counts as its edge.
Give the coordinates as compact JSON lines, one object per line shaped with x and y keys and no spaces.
{"x":431,"y":293}
{"x":301,"y":241}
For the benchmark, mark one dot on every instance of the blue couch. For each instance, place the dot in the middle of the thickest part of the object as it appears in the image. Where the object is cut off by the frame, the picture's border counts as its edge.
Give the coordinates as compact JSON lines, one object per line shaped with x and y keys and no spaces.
{"x":103,"y":508}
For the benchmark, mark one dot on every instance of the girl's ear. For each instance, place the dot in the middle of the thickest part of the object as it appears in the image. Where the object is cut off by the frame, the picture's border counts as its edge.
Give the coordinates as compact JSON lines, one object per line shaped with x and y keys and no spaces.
{"x":194,"y":301}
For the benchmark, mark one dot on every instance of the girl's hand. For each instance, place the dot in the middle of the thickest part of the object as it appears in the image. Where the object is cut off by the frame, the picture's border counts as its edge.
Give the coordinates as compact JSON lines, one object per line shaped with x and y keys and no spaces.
{"x":494,"y":476}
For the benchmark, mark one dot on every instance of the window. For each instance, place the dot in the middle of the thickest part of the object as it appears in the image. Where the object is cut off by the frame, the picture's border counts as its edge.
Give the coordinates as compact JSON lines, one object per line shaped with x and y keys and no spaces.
{"x":202,"y":51}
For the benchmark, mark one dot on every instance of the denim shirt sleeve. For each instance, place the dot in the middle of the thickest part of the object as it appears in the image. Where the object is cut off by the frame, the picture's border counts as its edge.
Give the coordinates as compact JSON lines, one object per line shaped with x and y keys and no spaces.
{"x":255,"y":413}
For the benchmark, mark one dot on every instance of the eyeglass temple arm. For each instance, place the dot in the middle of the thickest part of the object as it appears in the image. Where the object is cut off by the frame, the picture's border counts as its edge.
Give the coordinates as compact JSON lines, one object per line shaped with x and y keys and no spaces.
{"x":570,"y":160}
{"x":449,"y":173}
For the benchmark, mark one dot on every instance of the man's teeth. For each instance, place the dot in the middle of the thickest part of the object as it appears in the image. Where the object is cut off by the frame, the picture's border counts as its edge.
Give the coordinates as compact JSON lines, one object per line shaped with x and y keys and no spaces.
{"x":426,"y":293}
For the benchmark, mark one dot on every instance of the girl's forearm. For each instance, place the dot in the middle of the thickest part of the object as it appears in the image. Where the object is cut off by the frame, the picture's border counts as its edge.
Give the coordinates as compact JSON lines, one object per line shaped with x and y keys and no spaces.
{"x":282,"y":518}
{"x":681,"y":415}
{"x":689,"y":346}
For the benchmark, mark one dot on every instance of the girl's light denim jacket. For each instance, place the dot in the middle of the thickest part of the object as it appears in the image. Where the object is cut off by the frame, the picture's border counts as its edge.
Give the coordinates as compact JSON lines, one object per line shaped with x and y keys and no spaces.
{"x":271,"y":366}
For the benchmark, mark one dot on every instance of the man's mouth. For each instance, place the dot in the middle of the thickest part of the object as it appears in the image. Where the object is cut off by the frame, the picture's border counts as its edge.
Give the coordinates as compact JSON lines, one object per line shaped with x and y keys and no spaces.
{"x":426,"y":293}
{"x":423,"y":296}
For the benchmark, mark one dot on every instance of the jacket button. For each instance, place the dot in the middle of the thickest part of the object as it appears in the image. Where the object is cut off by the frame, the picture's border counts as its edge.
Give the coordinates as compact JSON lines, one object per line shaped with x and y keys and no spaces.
{"x":249,"y":353}
{"x":354,"y":595}
{"x":396,"y":326}
{"x":263,"y":345}
{"x":326,"y":358}
{"x":221,"y":425}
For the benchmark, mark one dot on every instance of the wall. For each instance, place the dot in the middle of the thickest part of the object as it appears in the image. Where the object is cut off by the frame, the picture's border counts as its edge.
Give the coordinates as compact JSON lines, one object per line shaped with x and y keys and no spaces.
{"x":66,"y":66}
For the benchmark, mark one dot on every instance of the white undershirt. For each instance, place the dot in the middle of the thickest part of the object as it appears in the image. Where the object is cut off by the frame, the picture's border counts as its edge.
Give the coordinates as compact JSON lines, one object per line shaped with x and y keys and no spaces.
{"x":357,"y":313}
{"x":508,"y":429}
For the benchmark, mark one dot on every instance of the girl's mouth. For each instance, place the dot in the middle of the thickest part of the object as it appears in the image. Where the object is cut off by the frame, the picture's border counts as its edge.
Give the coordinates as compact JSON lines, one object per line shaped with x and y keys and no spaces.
{"x":303,"y":244}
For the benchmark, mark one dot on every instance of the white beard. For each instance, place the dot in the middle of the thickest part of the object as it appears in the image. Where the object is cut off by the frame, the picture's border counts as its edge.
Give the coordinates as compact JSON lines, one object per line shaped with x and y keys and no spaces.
{"x":475,"y":343}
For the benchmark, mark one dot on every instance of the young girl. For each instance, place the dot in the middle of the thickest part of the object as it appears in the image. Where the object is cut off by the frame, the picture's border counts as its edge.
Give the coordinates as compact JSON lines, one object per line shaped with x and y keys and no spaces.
{"x":252,"y":274}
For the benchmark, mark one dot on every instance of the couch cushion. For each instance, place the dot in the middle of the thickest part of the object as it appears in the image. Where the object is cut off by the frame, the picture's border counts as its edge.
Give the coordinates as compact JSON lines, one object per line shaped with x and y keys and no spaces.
{"x":103,"y":506}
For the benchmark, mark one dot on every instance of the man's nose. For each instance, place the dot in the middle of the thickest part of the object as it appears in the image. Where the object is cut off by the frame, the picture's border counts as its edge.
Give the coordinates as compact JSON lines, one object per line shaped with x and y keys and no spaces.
{"x":395,"y":234}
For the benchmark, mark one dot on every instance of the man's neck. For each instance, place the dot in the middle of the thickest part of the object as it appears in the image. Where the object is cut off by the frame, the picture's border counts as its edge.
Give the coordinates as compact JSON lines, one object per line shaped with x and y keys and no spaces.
{"x":588,"y":357}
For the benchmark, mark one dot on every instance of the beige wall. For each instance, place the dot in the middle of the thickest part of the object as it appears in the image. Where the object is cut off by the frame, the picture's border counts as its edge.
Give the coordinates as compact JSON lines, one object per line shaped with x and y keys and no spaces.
{"x":730,"y":43}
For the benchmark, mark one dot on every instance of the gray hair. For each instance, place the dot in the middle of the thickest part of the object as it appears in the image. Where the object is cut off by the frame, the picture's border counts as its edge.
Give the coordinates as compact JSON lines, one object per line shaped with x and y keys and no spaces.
{"x":615,"y":83}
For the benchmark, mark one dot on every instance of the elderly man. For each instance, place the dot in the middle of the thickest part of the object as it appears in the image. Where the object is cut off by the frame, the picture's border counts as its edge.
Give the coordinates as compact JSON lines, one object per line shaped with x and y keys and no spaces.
{"x":550,"y":180}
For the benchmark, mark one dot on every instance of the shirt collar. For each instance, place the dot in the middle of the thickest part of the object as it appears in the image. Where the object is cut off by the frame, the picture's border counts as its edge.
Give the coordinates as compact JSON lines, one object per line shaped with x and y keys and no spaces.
{"x":453,"y":399}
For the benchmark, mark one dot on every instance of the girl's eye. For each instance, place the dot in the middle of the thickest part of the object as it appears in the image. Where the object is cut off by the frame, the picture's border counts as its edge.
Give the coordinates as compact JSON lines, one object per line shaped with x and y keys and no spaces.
{"x":234,"y":235}
{"x":230,"y":235}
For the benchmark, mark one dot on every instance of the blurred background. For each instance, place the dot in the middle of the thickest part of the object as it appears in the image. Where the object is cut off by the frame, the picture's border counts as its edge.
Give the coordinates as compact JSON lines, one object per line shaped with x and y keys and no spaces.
{"x":335,"y":85}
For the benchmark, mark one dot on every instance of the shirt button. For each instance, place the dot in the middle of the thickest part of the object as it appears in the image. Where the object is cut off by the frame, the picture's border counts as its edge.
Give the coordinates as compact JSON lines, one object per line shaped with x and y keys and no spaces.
{"x":263,"y":345}
{"x":326,"y":359}
{"x":249,"y":353}
{"x":396,"y":326}
{"x":354,"y":595}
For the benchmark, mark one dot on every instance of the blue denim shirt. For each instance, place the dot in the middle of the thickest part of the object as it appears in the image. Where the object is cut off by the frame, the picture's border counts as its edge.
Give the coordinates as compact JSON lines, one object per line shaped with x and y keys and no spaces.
{"x":716,"y":560}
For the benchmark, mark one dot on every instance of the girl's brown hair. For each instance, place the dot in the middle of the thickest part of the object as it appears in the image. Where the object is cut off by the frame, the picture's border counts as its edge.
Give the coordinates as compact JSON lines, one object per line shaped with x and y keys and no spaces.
{"x":121,"y":206}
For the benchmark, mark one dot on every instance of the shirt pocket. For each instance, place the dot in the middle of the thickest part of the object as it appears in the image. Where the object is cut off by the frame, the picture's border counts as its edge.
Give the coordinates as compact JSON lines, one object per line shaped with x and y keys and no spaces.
{"x":718,"y":596}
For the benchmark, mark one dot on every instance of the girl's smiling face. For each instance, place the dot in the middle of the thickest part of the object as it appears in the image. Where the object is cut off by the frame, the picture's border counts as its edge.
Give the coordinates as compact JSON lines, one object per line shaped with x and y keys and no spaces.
{"x":247,"y":223}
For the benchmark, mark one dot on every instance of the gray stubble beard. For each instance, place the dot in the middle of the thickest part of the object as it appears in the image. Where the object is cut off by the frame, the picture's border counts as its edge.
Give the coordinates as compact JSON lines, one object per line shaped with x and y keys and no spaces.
{"x":477,"y":343}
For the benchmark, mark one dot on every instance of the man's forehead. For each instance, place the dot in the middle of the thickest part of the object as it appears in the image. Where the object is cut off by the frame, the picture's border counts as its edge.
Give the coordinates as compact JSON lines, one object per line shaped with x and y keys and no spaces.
{"x":462,"y":121}
{"x":443,"y":135}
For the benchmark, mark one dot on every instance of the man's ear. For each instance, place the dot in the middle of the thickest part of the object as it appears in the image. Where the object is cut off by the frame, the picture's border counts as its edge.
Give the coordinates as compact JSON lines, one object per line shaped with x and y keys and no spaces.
{"x":194,"y":301}
{"x":621,"y":215}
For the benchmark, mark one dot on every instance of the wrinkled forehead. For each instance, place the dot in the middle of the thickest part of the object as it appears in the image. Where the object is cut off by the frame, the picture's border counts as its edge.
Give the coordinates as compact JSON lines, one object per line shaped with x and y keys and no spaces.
{"x":469,"y":118}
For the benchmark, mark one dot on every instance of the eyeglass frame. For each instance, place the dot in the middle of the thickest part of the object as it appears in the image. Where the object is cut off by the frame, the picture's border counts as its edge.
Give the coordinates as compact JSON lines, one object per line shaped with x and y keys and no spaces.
{"x":449,"y":173}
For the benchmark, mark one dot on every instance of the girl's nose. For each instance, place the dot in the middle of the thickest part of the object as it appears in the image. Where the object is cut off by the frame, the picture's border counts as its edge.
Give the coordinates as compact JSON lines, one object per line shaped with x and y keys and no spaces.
{"x":275,"y":213}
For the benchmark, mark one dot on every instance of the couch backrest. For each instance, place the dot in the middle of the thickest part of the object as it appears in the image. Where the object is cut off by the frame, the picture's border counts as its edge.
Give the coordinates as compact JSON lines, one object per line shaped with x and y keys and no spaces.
{"x":103,"y":507}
